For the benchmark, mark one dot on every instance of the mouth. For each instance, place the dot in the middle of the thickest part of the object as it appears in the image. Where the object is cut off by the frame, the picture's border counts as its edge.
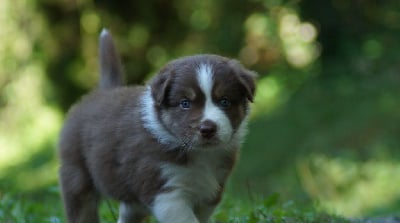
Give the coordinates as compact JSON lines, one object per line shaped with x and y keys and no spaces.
{"x":209,"y":142}
{"x":201,"y":143}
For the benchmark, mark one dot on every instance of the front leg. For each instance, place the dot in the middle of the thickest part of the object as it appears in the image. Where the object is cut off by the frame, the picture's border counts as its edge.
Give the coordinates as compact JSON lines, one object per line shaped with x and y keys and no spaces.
{"x":173,"y":207}
{"x":204,"y":213}
{"x":131,"y":213}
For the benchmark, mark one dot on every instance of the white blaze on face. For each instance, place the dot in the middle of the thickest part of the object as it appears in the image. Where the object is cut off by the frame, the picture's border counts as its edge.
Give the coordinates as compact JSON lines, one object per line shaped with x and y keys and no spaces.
{"x":211,"y":111}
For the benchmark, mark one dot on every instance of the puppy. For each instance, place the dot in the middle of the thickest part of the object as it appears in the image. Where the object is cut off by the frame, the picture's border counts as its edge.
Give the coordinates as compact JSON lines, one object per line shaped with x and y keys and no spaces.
{"x":166,"y":148}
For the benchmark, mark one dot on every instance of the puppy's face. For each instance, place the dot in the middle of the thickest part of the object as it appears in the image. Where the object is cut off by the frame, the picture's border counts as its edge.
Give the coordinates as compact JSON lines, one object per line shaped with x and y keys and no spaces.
{"x":201,"y":101}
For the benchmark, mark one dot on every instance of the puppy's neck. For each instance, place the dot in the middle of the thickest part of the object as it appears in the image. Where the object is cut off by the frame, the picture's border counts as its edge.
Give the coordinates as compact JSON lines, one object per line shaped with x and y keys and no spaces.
{"x":152,"y":123}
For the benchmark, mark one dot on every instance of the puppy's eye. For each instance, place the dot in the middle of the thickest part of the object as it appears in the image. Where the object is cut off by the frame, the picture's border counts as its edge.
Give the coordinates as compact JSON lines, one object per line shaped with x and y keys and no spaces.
{"x":224,"y":103}
{"x":185,"y":104}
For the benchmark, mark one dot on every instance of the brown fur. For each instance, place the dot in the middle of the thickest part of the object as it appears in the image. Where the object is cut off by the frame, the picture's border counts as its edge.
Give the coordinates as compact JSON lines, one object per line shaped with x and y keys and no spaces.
{"x":105,"y":148}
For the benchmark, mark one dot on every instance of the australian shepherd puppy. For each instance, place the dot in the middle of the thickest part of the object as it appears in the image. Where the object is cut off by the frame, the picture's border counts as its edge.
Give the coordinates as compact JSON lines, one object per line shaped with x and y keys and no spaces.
{"x":166,"y":148}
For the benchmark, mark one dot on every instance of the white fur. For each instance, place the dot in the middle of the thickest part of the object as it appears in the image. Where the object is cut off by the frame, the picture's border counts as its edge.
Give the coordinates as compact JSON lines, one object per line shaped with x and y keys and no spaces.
{"x":104,"y":32}
{"x":241,"y":131}
{"x":127,"y":212}
{"x":124,"y":213}
{"x":199,"y":179}
{"x":172,"y":207}
{"x":152,"y":123}
{"x":211,"y":111}
{"x":192,"y":186}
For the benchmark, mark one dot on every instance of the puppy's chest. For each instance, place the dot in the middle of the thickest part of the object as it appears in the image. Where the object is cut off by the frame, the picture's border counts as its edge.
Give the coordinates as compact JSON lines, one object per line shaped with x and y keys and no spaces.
{"x":201,"y":179}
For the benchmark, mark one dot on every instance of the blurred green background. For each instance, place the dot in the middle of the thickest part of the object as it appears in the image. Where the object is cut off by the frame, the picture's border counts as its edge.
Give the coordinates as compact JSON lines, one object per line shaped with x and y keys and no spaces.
{"x":325,"y":123}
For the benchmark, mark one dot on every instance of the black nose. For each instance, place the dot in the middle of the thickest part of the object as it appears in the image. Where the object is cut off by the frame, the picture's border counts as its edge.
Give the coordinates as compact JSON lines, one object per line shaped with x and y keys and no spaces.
{"x":208,"y":129}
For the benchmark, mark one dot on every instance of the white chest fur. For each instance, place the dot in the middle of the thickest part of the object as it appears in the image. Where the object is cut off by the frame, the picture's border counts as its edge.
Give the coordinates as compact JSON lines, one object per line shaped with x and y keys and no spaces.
{"x":199,"y":180}
{"x":192,"y":188}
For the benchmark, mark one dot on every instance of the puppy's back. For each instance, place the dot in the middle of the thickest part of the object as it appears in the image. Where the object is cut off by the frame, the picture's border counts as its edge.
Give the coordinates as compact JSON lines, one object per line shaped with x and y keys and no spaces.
{"x":112,"y":108}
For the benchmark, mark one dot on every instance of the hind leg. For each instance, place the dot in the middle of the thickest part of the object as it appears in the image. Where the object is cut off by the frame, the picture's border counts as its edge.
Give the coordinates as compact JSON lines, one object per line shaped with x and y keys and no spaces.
{"x":80,"y":198}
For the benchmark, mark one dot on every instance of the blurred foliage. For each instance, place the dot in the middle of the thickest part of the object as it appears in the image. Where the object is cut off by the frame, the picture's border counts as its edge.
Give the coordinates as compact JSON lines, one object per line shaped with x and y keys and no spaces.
{"x":324,"y":127}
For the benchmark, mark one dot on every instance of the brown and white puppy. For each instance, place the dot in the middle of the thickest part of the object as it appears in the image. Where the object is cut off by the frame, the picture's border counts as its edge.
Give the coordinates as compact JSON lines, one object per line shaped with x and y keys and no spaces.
{"x":165,"y":148}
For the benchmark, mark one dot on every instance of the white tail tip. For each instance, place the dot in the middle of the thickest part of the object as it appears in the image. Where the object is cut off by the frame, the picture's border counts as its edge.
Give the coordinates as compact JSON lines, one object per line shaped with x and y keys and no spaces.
{"x":104,"y":32}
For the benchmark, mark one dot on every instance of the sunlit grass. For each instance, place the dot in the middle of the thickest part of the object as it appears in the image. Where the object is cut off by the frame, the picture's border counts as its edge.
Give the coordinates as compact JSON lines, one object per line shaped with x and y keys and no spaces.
{"x":350,"y":188}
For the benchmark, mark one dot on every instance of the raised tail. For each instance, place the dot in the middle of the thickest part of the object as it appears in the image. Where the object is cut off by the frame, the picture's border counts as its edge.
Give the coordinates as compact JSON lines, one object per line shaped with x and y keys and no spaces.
{"x":111,"y":71}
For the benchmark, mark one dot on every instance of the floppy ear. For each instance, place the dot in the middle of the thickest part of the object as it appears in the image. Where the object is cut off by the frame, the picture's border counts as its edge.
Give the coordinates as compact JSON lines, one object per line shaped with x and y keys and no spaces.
{"x":160,"y":86}
{"x":246,"y":77}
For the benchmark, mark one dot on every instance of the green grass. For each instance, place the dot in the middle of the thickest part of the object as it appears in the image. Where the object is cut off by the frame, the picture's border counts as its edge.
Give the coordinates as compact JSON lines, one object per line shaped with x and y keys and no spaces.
{"x":43,"y":206}
{"x":46,"y":207}
{"x":271,"y":209}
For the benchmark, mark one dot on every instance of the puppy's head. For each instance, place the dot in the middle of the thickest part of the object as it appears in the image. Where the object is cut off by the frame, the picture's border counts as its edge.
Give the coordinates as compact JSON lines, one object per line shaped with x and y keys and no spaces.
{"x":199,"y":101}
